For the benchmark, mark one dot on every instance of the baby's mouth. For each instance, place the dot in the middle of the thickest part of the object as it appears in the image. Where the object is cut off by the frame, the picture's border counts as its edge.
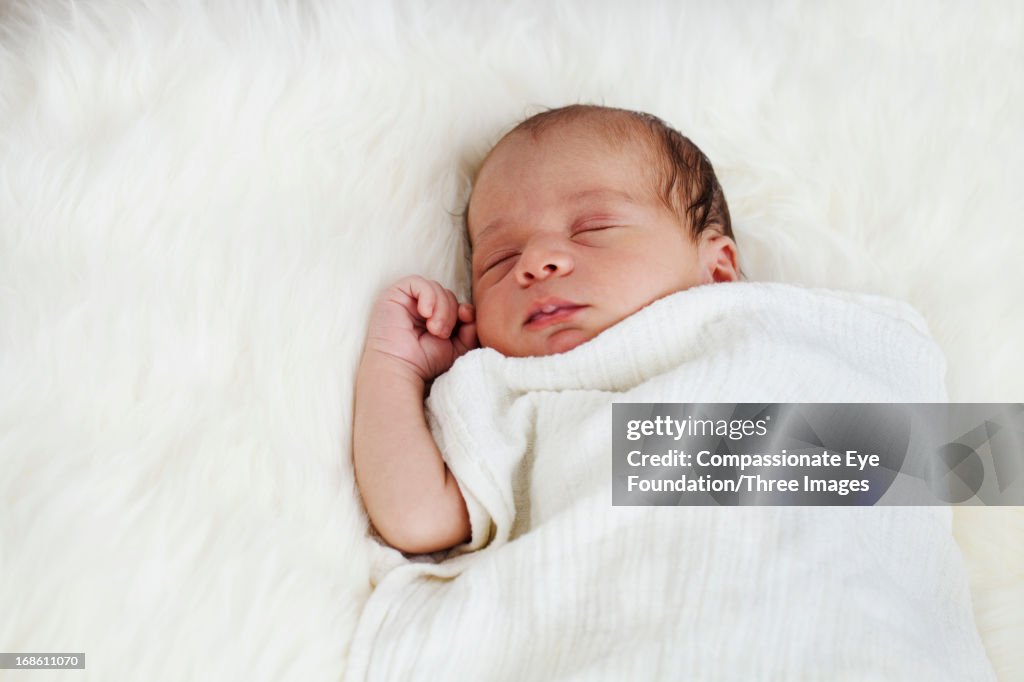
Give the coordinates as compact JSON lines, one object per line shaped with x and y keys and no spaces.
{"x":551,"y":312}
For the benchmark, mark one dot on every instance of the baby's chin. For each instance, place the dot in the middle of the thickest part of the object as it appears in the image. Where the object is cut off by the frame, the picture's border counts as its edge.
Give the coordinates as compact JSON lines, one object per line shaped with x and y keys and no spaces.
{"x":561,"y":341}
{"x":564,"y":340}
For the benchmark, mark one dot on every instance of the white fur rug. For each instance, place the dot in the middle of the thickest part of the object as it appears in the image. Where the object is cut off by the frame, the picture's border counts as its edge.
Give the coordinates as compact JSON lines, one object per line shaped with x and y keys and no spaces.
{"x":199,"y":200}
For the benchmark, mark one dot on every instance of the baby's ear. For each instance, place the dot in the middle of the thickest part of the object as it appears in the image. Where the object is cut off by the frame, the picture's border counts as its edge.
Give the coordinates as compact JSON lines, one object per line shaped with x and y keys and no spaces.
{"x":718,"y":258}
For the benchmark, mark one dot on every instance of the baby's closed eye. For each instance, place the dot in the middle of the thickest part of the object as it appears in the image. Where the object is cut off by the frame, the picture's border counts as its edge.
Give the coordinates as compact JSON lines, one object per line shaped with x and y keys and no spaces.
{"x":595,"y":233}
{"x":499,"y":259}
{"x":586,"y":229}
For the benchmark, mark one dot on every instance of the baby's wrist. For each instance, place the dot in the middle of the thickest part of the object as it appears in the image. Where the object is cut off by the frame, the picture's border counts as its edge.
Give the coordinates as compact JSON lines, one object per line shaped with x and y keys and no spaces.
{"x":378,"y":366}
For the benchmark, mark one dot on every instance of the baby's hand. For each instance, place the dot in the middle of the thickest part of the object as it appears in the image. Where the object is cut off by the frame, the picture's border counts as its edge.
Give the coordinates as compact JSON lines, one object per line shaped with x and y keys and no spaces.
{"x":420,"y":324}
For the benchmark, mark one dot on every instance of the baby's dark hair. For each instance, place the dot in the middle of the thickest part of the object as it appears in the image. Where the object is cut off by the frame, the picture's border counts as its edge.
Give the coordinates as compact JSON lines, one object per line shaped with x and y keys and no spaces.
{"x":687,"y":182}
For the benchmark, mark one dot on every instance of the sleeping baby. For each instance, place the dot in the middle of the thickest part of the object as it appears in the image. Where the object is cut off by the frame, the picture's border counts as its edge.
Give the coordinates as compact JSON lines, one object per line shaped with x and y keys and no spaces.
{"x":579,"y":217}
{"x":593,"y":233}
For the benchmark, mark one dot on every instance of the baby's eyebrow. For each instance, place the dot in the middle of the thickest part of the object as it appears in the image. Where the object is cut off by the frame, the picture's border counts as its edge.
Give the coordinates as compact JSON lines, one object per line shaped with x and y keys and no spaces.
{"x":602,"y":193}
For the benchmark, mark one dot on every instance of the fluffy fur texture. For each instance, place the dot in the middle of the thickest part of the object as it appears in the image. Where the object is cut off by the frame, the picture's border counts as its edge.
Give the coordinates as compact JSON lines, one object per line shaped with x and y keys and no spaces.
{"x":200,"y":200}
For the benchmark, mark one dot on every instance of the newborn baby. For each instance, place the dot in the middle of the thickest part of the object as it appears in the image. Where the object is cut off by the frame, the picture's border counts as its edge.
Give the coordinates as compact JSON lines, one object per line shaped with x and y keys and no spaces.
{"x":591,"y":230}
{"x":579,"y":217}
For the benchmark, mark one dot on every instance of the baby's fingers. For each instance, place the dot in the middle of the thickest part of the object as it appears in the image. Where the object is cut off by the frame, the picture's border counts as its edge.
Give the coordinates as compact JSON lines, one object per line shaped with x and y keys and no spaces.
{"x":426,"y":296}
{"x":443,"y":320}
{"x":466,"y":339}
{"x":435,"y":305}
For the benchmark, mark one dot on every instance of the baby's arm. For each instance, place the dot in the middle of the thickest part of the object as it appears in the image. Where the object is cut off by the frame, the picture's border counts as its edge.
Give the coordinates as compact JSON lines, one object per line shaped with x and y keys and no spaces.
{"x":416,"y":332}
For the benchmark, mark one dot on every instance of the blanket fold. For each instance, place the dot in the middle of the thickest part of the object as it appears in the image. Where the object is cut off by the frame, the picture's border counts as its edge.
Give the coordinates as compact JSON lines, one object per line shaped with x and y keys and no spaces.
{"x":556,"y":583}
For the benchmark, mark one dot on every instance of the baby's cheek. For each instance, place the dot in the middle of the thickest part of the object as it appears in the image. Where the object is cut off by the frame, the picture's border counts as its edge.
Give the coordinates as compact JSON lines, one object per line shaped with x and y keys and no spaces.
{"x":486,"y":331}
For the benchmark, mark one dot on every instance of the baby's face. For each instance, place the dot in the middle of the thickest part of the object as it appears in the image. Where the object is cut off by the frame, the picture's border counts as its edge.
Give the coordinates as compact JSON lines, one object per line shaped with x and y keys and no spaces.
{"x":569,"y":238}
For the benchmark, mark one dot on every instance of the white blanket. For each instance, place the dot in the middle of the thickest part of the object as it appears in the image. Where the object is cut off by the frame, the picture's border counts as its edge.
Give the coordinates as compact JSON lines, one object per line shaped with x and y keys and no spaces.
{"x":556,"y":583}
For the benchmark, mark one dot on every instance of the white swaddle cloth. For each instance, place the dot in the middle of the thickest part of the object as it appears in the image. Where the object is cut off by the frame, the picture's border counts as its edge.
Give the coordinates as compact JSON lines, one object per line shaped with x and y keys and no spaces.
{"x":556,"y":583}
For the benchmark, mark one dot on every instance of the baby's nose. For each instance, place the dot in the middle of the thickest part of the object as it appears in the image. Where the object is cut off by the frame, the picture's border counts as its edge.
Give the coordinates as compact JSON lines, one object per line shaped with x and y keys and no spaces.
{"x":541,"y":261}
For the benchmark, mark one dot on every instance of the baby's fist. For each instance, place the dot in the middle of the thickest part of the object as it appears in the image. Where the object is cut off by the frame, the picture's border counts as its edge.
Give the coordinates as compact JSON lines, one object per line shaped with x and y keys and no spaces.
{"x":421,"y":326}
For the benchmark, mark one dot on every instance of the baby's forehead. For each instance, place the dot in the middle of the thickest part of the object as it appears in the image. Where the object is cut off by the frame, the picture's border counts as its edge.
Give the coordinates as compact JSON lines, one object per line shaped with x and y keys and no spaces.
{"x":619,"y":146}
{"x":628,"y":177}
